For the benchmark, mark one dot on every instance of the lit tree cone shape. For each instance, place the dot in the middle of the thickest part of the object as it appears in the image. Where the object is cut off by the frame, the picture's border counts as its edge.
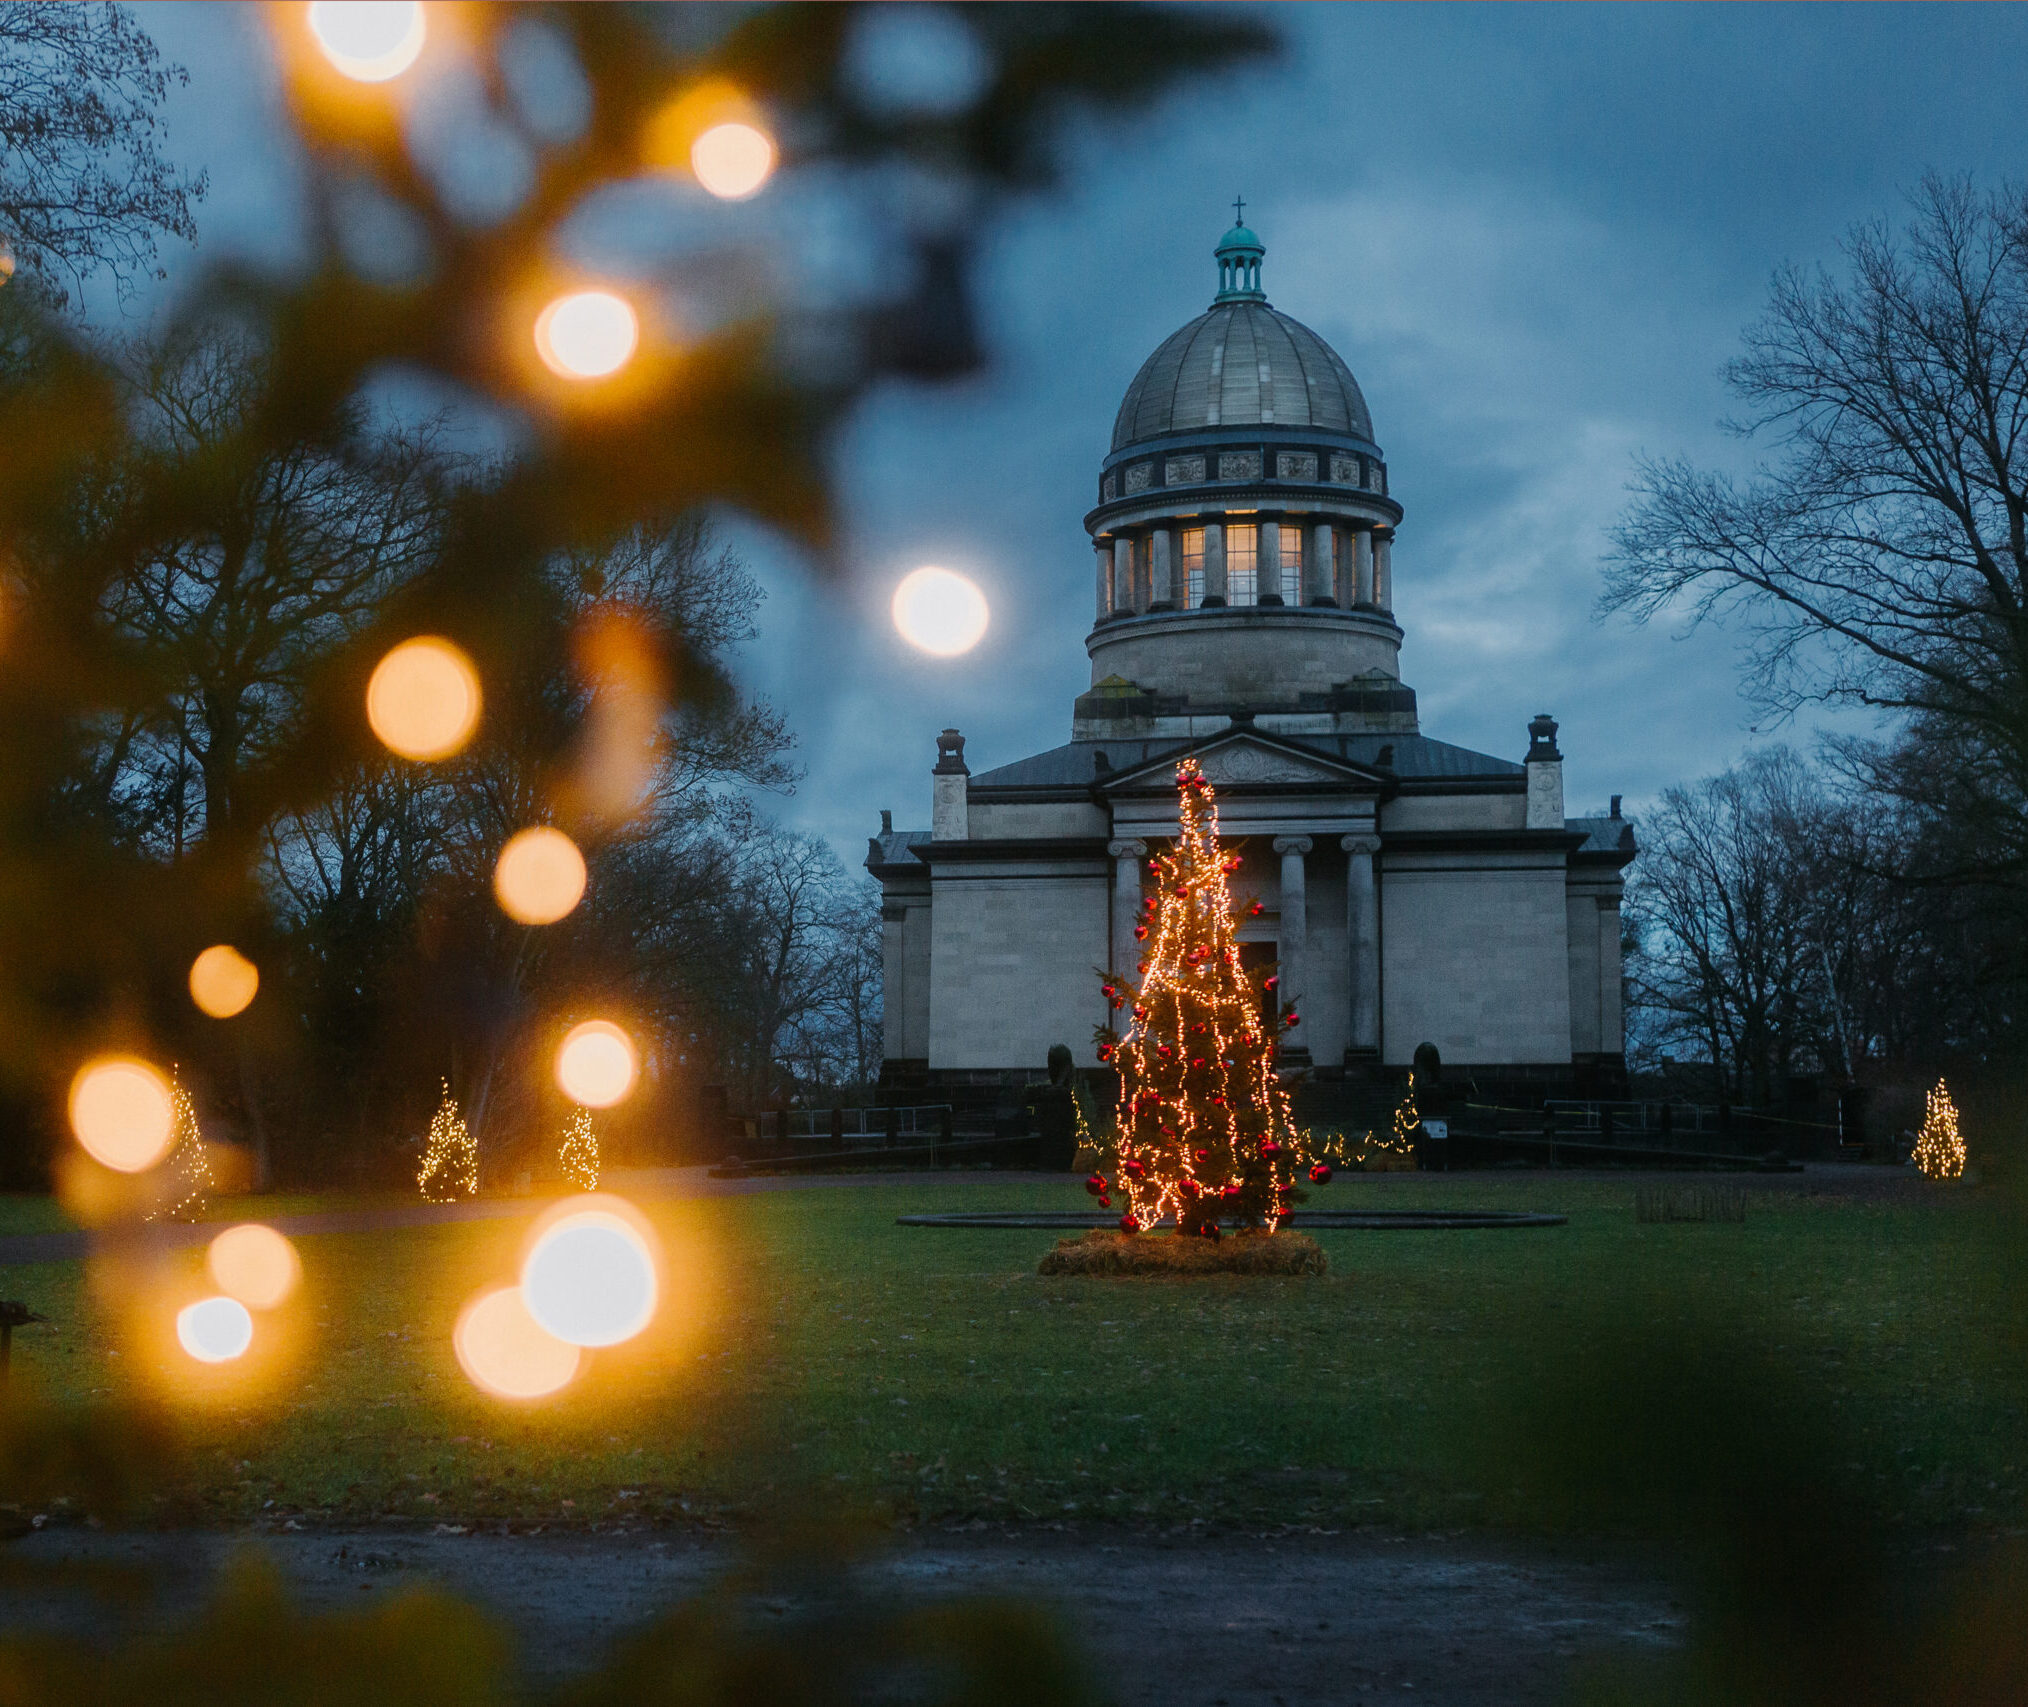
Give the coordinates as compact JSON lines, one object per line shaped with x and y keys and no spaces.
{"x":1939,"y":1146}
{"x":1204,"y":1128}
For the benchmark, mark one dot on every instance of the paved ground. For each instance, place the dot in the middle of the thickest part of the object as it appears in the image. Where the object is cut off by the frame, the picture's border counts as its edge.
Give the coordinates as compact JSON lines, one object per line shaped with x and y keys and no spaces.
{"x":1246,"y":1623}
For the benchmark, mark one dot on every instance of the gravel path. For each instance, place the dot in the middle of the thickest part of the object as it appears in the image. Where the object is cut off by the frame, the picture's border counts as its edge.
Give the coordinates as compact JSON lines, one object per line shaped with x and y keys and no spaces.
{"x":1227,"y":1623}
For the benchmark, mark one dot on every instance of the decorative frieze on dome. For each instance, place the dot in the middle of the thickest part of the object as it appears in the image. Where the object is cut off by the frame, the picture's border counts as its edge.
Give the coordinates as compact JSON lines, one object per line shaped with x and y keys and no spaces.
{"x":1345,"y":471}
{"x":1183,"y":471}
{"x":1239,"y":465}
{"x":1140,"y":476}
{"x":1296,"y":464}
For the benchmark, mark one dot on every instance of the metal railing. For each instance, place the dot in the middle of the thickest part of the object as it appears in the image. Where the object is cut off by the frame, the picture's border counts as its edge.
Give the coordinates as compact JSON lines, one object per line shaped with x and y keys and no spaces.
{"x":851,"y":1128}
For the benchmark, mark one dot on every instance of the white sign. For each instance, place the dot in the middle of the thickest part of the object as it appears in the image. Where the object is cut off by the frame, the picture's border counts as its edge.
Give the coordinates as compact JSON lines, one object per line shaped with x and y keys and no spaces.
{"x":1438,"y":1129}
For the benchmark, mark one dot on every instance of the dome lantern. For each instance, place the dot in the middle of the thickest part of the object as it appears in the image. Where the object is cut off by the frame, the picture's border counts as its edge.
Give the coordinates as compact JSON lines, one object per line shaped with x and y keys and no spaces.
{"x":1239,"y":255}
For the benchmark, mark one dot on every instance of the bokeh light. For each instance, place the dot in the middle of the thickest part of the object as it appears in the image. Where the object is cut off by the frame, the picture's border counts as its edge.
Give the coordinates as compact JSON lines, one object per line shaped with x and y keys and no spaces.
{"x":214,"y":1330}
{"x":254,"y":1264}
{"x":223,"y":981}
{"x":596,"y":1064}
{"x":589,"y":1277}
{"x":940,"y":611}
{"x":506,"y":1352}
{"x":540,"y":876}
{"x":122,"y":1113}
{"x":369,"y":40}
{"x":424,"y":699}
{"x":733,"y":160}
{"x":587,"y":334}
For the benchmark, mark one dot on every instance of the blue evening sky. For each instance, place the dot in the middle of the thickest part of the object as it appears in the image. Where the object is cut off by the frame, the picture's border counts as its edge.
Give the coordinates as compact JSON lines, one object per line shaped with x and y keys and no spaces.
{"x":1534,"y":232}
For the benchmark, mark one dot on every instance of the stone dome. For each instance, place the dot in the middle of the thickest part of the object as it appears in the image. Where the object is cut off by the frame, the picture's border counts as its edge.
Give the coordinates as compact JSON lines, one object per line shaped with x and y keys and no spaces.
{"x":1241,"y":363}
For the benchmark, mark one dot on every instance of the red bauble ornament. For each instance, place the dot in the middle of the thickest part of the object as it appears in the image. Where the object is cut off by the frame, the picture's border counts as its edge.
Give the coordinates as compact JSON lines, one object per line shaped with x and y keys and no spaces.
{"x":1270,"y":1148}
{"x":1105,"y":1202}
{"x":1321,"y":1174}
{"x":1105,"y":1051}
{"x":1140,"y":933}
{"x":1129,"y":1225}
{"x":1211,"y":1231}
{"x":1293,"y":1019}
{"x":1255,"y":911}
{"x":1203,"y":1155}
{"x":1270,"y":983}
{"x":1096,"y":1185}
{"x":1140,"y":1012}
{"x":1231,"y":1189}
{"x":1182,"y":891}
{"x":1190,"y":1188}
{"x":1135,"y":1169}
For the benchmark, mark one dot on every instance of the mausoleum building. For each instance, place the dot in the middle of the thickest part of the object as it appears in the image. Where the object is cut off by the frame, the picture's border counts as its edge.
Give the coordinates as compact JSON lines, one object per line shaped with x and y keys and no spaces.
{"x":1411,"y":890}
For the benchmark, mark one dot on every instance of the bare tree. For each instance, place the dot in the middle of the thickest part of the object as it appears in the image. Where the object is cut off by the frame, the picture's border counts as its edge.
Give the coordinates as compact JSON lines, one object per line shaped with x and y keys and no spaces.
{"x":1727,"y":964}
{"x":82,"y":188}
{"x":1880,"y":556}
{"x":302,"y":547}
{"x":1773,"y":936}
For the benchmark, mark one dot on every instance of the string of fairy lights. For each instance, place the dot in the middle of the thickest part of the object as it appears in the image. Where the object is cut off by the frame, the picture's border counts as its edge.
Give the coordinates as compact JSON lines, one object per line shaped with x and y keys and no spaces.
{"x":1939,"y":1146}
{"x":190,"y":1181}
{"x":450,"y":1164}
{"x":578,"y":1155}
{"x":1204,"y":1128}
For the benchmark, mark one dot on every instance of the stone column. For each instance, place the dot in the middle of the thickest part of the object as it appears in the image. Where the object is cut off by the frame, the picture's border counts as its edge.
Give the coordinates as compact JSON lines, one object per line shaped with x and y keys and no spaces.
{"x":1612,"y":1033}
{"x":1383,"y":568}
{"x":1267,"y":575}
{"x":1362,"y":930}
{"x":1545,"y":774}
{"x":893,"y":981}
{"x":1295,"y":915}
{"x":1214,"y":563}
{"x":1104,"y":549}
{"x":1127,"y":857}
{"x":1164,"y":571}
{"x":1319,"y":572}
{"x":950,"y":778}
{"x":1123,"y":573}
{"x":1362,"y":565}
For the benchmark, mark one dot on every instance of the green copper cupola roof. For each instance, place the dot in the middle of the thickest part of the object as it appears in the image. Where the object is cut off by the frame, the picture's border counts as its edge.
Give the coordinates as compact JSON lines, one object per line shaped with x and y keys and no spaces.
{"x":1239,"y":255}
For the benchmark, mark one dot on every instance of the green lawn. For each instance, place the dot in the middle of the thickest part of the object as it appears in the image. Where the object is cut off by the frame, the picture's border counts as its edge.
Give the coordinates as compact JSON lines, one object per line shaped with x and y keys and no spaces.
{"x":813,"y":1356}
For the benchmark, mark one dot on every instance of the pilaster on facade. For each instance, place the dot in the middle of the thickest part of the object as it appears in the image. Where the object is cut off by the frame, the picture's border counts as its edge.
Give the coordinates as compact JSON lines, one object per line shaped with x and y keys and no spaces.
{"x":1127,"y":855}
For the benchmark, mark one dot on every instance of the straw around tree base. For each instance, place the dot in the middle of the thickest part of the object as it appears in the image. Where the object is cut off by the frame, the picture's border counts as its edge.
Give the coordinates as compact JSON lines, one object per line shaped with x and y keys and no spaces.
{"x":1166,"y":1253}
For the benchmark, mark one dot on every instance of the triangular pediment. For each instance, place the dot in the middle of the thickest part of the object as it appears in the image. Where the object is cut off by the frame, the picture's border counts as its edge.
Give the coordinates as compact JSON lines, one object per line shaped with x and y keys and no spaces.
{"x":1248,"y":759}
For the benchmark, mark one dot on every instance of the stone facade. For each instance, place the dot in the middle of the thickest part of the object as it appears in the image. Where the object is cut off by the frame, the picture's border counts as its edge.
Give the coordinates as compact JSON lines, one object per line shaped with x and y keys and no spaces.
{"x":1411,"y":891}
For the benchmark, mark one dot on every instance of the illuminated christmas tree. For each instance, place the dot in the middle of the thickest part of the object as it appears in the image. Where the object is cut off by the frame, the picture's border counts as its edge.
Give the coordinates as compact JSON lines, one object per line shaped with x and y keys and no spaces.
{"x":579,"y":1155}
{"x":189,"y":1170}
{"x":450,"y":1167}
{"x":1203,"y":1131}
{"x":1939,"y":1147}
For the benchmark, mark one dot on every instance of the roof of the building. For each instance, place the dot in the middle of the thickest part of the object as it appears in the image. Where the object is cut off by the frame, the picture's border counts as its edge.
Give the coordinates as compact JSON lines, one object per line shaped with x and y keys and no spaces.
{"x":886,"y":849}
{"x":1603,"y":835}
{"x":1416,"y":757}
{"x":1241,"y":363}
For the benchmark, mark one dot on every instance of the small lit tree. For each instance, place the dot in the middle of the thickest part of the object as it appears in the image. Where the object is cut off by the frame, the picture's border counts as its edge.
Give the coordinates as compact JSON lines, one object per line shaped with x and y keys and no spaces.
{"x":1203,"y":1130}
{"x":189,"y":1171}
{"x":579,"y":1153}
{"x":1939,"y":1146}
{"x":450,"y":1165}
